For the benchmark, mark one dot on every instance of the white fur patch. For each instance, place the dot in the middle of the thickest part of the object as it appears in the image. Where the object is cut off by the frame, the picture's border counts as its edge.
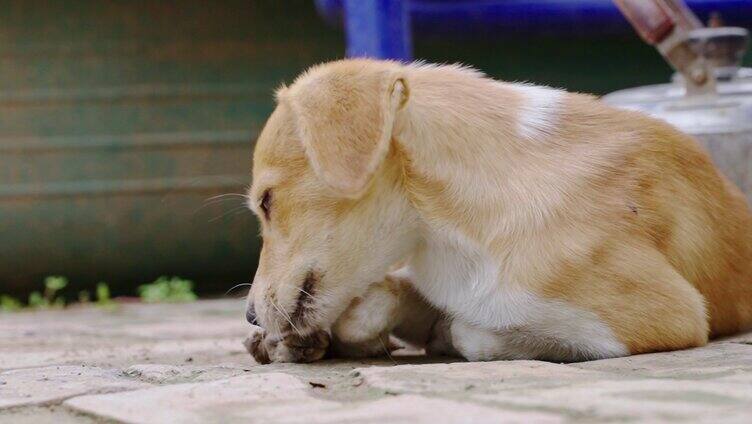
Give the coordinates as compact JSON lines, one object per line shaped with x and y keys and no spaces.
{"x":539,"y":110}
{"x":459,"y":278}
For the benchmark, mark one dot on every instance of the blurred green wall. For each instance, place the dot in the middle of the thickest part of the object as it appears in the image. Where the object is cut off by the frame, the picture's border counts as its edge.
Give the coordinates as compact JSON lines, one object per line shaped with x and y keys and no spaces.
{"x":119,"y":119}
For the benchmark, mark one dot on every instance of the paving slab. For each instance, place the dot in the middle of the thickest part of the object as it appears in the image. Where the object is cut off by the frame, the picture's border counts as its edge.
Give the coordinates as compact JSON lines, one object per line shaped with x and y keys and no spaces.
{"x":185,"y":363}
{"x":633,"y":400}
{"x":406,"y":409}
{"x":171,"y":374}
{"x":745,"y":338}
{"x":208,"y":331}
{"x":468,"y":376}
{"x":47,"y":385}
{"x":208,"y":351}
{"x":48,"y":414}
{"x":724,"y":361}
{"x":225,"y":400}
{"x":281,"y":398}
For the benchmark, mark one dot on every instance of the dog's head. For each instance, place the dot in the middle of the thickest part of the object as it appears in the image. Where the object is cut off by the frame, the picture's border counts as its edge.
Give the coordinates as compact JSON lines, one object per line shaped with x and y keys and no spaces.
{"x":327,"y":191}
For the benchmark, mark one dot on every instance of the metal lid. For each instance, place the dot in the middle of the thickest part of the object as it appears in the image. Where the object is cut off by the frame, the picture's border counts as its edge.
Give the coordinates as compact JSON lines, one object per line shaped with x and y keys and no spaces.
{"x":726,"y":107}
{"x":723,"y":47}
{"x":728,"y":111}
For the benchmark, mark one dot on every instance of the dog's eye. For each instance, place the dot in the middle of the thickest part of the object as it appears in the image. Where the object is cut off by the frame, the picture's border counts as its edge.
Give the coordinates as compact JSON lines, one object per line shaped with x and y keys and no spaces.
{"x":266,"y":203}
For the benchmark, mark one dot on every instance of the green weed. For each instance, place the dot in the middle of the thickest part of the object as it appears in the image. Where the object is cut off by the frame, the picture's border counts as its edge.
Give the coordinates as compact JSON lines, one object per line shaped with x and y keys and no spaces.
{"x":10,"y":304}
{"x":164,"y":289}
{"x":167,"y":289}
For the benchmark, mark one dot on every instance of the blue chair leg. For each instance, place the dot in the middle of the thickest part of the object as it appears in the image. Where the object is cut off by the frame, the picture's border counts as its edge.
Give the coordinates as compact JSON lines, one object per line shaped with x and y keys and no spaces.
{"x":378,"y":29}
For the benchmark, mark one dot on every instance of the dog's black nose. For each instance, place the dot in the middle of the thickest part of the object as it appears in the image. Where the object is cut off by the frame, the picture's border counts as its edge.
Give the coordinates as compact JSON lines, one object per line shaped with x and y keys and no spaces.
{"x":250,"y":315}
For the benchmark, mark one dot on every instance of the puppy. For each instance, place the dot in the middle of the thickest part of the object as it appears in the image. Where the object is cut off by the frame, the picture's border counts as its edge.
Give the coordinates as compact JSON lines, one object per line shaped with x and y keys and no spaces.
{"x":534,"y":223}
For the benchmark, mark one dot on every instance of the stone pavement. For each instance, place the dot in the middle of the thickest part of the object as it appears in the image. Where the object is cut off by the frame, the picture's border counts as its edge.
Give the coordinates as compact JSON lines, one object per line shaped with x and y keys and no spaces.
{"x":185,"y":364}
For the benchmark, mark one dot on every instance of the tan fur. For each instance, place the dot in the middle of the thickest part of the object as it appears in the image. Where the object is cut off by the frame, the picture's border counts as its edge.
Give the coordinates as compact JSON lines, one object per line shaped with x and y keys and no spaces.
{"x":607,"y":210}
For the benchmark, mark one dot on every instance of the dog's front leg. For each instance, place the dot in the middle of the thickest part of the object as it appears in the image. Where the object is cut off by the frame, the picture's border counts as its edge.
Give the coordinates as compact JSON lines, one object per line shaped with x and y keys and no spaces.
{"x":363,"y":329}
{"x":391,"y":306}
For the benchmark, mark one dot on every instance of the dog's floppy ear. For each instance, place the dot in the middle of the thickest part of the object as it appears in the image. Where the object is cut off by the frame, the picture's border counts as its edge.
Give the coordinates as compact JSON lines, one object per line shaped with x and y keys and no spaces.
{"x":345,"y":121}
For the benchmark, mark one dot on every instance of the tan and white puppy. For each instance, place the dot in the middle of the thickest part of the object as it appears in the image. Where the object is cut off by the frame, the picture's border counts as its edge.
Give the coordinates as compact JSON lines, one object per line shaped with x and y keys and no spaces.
{"x":534,"y":223}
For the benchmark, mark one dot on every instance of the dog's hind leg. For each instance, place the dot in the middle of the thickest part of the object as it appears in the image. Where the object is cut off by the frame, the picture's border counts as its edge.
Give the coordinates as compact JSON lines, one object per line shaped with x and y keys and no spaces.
{"x":479,"y":344}
{"x":633,"y":302}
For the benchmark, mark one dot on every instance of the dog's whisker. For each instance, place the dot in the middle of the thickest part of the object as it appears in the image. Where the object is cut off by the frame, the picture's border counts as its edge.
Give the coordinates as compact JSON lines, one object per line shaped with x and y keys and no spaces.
{"x":306,"y":293}
{"x":217,"y":202}
{"x":289,"y":320}
{"x":386,"y":350}
{"x":236,"y":286}
{"x":313,"y":298}
{"x":286,"y":317}
{"x":236,"y":209}
{"x":221,"y":196}
{"x":276,"y":324}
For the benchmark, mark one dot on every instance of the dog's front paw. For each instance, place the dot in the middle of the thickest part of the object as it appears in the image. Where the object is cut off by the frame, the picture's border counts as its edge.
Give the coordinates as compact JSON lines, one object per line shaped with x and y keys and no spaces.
{"x":257,"y":345}
{"x":292,"y":348}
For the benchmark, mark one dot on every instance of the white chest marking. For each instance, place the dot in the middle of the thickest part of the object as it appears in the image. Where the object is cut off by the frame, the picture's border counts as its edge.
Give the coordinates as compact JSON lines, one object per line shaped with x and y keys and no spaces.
{"x":539,"y":111}
{"x":459,"y":278}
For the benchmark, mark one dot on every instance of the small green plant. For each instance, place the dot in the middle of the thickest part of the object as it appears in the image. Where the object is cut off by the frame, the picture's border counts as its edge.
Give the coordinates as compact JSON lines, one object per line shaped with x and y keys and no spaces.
{"x":49,"y":299}
{"x":84,"y":297}
{"x":10,"y":304}
{"x":167,"y":289}
{"x":103,"y":294}
{"x":36,"y":300}
{"x":54,"y":284}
